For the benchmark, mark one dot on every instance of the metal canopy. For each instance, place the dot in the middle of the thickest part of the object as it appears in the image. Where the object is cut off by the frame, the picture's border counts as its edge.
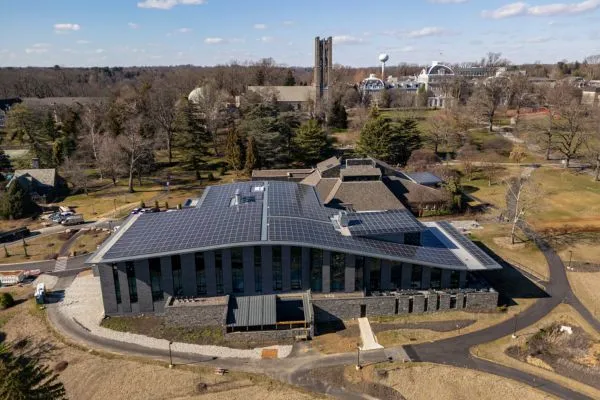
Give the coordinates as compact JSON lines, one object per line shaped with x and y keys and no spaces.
{"x":252,"y":311}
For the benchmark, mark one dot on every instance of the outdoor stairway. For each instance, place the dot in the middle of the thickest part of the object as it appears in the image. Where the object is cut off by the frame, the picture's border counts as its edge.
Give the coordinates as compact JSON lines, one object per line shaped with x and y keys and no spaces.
{"x":61,"y":264}
{"x":369,"y":342}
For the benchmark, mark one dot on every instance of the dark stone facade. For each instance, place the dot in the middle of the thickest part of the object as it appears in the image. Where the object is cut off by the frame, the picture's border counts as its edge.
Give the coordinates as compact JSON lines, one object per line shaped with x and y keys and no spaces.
{"x":195,"y":315}
{"x":274,"y":335}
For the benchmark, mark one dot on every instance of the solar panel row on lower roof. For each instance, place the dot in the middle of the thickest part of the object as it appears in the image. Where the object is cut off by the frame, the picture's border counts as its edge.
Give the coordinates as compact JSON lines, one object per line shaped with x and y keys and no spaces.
{"x":468,"y":244}
{"x":379,"y":223}
{"x":320,"y":234}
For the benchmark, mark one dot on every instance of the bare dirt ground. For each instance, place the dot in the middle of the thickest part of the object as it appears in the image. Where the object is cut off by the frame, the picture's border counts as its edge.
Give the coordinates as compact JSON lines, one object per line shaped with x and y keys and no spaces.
{"x":416,"y":381}
{"x":496,"y":351}
{"x":93,"y":376}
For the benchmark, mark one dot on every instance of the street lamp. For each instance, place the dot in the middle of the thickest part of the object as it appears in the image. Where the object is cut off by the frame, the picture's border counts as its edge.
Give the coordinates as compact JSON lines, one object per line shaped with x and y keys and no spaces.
{"x":358,"y":356}
{"x":514,"y":335}
{"x":170,"y":355}
{"x":115,"y":205}
{"x":570,"y":258}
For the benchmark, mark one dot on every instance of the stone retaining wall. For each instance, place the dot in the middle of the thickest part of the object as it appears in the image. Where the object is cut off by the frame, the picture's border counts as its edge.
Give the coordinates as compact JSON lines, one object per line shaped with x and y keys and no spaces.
{"x":331,"y":310}
{"x":259,"y":336}
{"x":196,"y":315}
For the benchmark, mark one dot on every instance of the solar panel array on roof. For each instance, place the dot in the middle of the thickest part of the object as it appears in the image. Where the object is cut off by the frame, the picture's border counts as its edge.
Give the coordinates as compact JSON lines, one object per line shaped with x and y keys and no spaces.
{"x":465,"y":242}
{"x":287,"y":199}
{"x":322,"y":235}
{"x":380,"y":223}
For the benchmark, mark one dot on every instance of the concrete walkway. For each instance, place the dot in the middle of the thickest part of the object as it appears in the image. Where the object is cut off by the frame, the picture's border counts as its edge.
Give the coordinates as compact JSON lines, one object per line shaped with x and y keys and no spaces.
{"x":369,"y":342}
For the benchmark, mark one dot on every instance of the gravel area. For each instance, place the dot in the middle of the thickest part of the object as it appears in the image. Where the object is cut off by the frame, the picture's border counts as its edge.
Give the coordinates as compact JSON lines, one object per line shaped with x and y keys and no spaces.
{"x":83,"y":302}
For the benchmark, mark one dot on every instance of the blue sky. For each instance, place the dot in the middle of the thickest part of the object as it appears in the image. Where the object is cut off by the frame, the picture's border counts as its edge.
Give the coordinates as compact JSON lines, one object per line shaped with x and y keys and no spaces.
{"x":208,"y":32}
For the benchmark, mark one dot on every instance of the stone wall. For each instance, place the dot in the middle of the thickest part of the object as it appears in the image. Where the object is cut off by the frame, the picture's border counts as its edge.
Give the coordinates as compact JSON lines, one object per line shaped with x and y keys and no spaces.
{"x":259,"y":336}
{"x":331,"y":310}
{"x":482,"y":301}
{"x":196,"y":315}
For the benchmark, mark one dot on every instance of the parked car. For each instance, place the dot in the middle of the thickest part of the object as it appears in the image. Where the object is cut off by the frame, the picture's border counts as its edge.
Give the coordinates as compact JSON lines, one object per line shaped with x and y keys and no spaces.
{"x":136,"y":210}
{"x":73,"y":220}
{"x":149,"y":210}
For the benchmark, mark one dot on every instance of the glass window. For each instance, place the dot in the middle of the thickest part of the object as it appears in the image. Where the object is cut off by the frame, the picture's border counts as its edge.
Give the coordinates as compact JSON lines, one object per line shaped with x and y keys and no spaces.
{"x":338,"y":265}
{"x":454,"y":279}
{"x":277,"y":268}
{"x":177,"y":278}
{"x":396,"y":276}
{"x":374,"y":274}
{"x":436,"y":278}
{"x":117,"y":285}
{"x":359,"y":265}
{"x":237,"y":270}
{"x":219,"y":271}
{"x":316,"y":270}
{"x":416,"y":277}
{"x":257,"y":269}
{"x":200,"y":274}
{"x":155,"y":279}
{"x":296,"y":266}
{"x":131,"y":282}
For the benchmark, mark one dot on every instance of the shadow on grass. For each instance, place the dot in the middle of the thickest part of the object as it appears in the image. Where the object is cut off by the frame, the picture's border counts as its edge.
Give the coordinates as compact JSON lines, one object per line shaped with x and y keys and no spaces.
{"x":510,"y":282}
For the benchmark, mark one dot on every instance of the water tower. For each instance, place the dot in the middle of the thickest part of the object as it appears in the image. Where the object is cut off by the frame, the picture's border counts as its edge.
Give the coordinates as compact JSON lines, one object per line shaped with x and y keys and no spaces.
{"x":383,"y":58}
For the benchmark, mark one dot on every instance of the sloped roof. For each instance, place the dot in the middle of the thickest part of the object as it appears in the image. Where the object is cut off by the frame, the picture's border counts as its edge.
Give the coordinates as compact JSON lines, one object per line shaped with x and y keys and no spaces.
{"x":281,"y":173}
{"x":325,"y":186}
{"x":365,"y":196}
{"x":291,"y":94}
{"x":414,"y":192}
{"x":328,"y":164}
{"x":44,"y":176}
{"x":424,"y":178}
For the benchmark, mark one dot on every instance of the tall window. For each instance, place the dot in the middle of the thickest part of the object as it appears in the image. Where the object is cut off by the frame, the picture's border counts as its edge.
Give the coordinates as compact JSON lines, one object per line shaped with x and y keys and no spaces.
{"x":374,"y":274}
{"x":115,"y":273}
{"x":200,"y":274}
{"x":277,"y":268}
{"x":130,"y":270}
{"x":359,"y":270}
{"x":436,"y":279}
{"x":237,"y":270}
{"x":257,"y":269}
{"x":454,"y":279}
{"x":396,"y":275}
{"x":177,"y":278}
{"x":316,"y":270}
{"x":338,"y":264}
{"x":219,"y":271}
{"x":416,"y":277}
{"x":155,"y":279}
{"x":296,"y":261}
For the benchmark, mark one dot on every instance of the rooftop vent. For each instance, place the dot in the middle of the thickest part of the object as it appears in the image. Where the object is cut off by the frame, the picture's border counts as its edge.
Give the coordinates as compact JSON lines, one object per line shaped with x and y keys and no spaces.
{"x":258,"y":189}
{"x":340,"y":223}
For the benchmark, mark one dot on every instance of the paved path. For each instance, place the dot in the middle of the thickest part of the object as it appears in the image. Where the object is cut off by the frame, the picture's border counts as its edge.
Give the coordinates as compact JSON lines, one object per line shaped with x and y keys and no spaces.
{"x":369,"y":342}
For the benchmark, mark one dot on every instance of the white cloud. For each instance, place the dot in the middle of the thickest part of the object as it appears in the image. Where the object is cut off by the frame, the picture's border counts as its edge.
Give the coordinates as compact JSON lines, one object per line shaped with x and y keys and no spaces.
{"x":184,"y":30}
{"x":267,"y":39}
{"x":214,"y":40}
{"x":36,"y":50}
{"x":83,"y":42}
{"x":520,"y":8}
{"x":99,"y":51}
{"x":133,"y":25}
{"x":347,"y":40}
{"x":427,"y":31}
{"x":260,"y":26}
{"x":167,"y":4}
{"x":289,"y":22}
{"x":66,"y":27}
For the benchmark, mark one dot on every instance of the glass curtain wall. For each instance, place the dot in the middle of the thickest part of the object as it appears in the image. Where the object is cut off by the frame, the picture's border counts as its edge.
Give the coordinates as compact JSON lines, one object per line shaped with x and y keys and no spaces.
{"x":237,"y":270}
{"x":155,"y":279}
{"x":177,"y":276}
{"x":338,"y":266}
{"x":200,"y":274}
{"x":416,"y":277}
{"x":116,"y":281}
{"x":316,"y":270}
{"x":257,"y":269}
{"x":219,"y":270}
{"x":277,"y":269}
{"x":296,"y":268}
{"x":359,"y":265}
{"x":374,"y":273}
{"x":131,"y":282}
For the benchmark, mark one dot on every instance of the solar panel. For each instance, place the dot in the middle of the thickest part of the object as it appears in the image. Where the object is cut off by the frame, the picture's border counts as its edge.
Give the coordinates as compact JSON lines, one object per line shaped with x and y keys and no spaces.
{"x":468,"y":244}
{"x":379,"y":223}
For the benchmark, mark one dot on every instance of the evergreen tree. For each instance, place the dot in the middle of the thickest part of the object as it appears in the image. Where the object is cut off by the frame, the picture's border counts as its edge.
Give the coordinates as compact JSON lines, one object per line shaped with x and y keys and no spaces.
{"x":5,"y":164}
{"x":23,"y":377}
{"x":313,"y":143}
{"x":391,"y":142}
{"x":16,"y":202}
{"x":250,"y":155}
{"x":422,"y":96}
{"x":191,"y":137}
{"x":49,"y":128}
{"x":290,"y":80}
{"x":234,"y":150}
{"x":338,"y":117}
{"x":374,"y":111}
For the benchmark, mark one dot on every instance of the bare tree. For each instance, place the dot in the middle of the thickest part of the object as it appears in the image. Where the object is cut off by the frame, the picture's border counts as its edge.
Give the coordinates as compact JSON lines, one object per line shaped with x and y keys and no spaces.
{"x":210,"y":104}
{"x":111,"y":160}
{"x":468,"y":156}
{"x":520,"y":94}
{"x":521,"y":196}
{"x":135,"y":145}
{"x":487,"y":98}
{"x":74,"y":172}
{"x":490,"y":166}
{"x":571,"y":130}
{"x":92,"y":123}
{"x":593,"y":145}
{"x":164,"y":102}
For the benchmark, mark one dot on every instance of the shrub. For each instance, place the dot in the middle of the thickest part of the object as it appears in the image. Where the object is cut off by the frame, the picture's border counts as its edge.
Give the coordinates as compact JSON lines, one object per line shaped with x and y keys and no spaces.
{"x":61,"y":366}
{"x":211,"y":177}
{"x":6,"y":301}
{"x":142,"y":204}
{"x":221,"y":171}
{"x":156,"y":204}
{"x":166,"y":205}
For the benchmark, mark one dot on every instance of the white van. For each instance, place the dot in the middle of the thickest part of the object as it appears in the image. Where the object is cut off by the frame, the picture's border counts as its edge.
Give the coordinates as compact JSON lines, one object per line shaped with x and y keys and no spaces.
{"x":73,"y":220}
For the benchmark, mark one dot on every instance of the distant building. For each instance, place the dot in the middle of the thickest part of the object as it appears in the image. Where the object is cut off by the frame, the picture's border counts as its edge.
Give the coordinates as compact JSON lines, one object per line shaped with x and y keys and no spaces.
{"x":434,"y":79}
{"x":591,"y":96}
{"x":43,"y":184}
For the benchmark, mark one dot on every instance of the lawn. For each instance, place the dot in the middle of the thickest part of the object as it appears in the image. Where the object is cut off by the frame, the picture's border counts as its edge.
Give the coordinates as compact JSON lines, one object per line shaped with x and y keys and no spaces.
{"x":564,"y":314}
{"x":88,"y":242}
{"x":586,"y":286}
{"x":525,"y":253}
{"x":38,"y":248}
{"x":569,"y":199}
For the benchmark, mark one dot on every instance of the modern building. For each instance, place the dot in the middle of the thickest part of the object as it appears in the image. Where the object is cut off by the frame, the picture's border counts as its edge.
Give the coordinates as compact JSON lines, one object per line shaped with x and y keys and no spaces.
{"x":278,"y":238}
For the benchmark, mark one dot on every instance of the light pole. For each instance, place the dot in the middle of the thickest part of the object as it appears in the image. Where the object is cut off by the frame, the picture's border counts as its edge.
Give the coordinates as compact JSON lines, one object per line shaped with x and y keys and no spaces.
{"x":357,"y":356}
{"x":170,"y":356}
{"x":570,"y":258}
{"x":514,"y":335}
{"x":115,"y":205}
